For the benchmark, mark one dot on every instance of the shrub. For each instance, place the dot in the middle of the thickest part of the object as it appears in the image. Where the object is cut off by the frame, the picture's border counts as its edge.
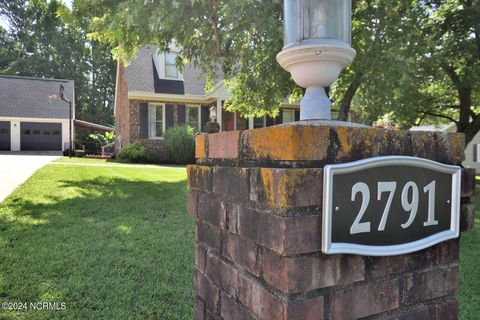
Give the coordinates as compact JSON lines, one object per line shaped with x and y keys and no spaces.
{"x":135,"y":152}
{"x":180,"y":143}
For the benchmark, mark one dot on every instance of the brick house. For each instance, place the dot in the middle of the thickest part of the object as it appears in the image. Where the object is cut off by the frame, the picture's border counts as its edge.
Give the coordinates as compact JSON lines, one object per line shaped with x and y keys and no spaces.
{"x":152,"y":95}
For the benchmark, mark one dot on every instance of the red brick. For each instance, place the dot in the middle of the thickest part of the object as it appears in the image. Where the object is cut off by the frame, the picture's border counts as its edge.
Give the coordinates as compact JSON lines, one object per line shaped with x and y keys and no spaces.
{"x":366,"y":299}
{"x":208,"y":235}
{"x":223,"y":145}
{"x":259,"y":301}
{"x":447,"y":252}
{"x":200,"y":146}
{"x":233,"y":310}
{"x":305,"y":273}
{"x":468,"y":183}
{"x":311,"y":309}
{"x":231,"y":183}
{"x":380,"y":266}
{"x":273,"y":187}
{"x":447,"y":310}
{"x":232,"y":218}
{"x":422,"y":312}
{"x":303,"y":234}
{"x":200,"y":178}
{"x":211,"y":211}
{"x":423,"y":286}
{"x":242,"y":253}
{"x":467,"y":216}
{"x":261,"y":228}
{"x":284,"y":235}
{"x":192,"y":202}
{"x":206,"y":290}
{"x":211,"y":316}
{"x":222,"y":275}
{"x":200,"y":257}
{"x":198,"y":310}
{"x":442,"y":310}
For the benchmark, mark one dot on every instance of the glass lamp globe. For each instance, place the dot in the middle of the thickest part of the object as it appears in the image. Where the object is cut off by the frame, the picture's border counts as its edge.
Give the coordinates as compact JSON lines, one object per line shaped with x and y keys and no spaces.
{"x":317,"y":48}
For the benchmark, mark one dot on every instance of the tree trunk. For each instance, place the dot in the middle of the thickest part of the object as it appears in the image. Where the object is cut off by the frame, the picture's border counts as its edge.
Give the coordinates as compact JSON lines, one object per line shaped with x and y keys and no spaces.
{"x":346,"y":102}
{"x":467,"y":125}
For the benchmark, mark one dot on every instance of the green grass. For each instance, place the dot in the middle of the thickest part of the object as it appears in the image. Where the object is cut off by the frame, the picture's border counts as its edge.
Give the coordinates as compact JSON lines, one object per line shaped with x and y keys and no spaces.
{"x":106,"y":161}
{"x":112,"y":243}
{"x":117,"y":243}
{"x":469,"y":294}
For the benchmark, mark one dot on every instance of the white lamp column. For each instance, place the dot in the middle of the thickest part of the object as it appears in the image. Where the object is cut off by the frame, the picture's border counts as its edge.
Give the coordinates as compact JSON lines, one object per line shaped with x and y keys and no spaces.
{"x":317,"y":48}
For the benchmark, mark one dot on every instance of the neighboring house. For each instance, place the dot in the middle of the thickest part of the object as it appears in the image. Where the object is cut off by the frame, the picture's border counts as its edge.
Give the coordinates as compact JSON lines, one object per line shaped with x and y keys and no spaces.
{"x":472,"y":150}
{"x":152,"y":95}
{"x":30,"y":119}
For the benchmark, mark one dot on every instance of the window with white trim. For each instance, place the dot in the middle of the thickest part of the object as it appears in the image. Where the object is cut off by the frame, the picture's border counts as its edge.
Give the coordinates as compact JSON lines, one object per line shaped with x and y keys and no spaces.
{"x":192,"y":116}
{"x":288,"y":116}
{"x":156,"y":120}
{"x":259,"y":122}
{"x":171,"y":70}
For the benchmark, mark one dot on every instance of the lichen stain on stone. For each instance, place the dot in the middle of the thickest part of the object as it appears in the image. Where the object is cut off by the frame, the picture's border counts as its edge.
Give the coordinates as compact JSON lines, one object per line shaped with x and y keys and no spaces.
{"x":200,"y":146}
{"x":344,"y":137}
{"x":288,"y":143}
{"x":281,"y":185}
{"x":457,"y":146}
{"x":194,"y":173}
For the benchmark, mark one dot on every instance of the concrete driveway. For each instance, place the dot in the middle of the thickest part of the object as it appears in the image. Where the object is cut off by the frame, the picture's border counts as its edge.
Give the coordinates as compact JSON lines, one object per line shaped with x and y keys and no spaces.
{"x":17,"y":167}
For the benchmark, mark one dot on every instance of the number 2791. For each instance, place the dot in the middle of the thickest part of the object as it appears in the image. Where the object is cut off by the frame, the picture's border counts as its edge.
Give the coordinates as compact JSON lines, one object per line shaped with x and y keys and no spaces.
{"x":409,"y":204}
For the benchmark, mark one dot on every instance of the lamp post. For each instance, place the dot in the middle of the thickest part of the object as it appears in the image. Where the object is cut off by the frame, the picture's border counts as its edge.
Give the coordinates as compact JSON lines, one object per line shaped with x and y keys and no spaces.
{"x":62,"y":96}
{"x":317,"y":48}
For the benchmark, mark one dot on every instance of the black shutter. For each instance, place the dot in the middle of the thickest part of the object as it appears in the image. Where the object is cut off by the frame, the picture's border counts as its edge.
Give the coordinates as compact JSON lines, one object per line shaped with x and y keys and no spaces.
{"x":169,"y":118}
{"x":144,"y":120}
{"x":270,"y":121}
{"x":297,"y":115}
{"x":279,"y":118}
{"x":475,"y":153}
{"x":204,"y":116}
{"x":181,"y":114}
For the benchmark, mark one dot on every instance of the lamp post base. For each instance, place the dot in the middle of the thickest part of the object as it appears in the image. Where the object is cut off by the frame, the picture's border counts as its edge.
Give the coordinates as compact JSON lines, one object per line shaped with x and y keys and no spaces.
{"x":315,"y":105}
{"x":316,"y":66}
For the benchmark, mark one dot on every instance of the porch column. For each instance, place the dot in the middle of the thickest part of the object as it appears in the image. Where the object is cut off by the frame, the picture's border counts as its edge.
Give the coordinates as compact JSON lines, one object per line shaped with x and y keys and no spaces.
{"x":219,"y":114}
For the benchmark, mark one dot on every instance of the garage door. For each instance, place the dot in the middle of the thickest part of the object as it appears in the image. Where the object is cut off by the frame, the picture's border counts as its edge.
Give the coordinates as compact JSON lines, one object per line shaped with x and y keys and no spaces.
{"x":41,"y":136}
{"x":4,"y":135}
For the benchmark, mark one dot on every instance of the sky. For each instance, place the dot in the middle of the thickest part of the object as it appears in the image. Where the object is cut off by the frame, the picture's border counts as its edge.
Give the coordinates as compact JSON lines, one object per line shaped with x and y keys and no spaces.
{"x":4,"y":23}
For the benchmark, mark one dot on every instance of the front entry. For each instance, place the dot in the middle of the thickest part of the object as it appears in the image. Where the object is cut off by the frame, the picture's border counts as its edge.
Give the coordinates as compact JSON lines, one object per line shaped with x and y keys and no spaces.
{"x":41,"y":136}
{"x":5,"y":135}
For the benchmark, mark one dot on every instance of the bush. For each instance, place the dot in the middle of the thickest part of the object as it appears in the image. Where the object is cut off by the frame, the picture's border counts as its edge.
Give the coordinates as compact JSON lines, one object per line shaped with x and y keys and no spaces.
{"x":180,"y":143}
{"x":135,"y":152}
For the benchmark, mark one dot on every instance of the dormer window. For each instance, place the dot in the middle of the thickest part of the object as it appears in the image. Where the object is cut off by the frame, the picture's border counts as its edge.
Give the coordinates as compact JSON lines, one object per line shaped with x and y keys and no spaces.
{"x":171,"y":70}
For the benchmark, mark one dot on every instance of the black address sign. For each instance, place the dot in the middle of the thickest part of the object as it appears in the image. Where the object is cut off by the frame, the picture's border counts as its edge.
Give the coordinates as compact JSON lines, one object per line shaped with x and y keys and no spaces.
{"x":389,"y":205}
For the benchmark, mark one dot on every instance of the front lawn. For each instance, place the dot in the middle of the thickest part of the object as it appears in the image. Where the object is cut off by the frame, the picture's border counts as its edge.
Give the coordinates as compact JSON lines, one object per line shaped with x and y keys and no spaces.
{"x":117,"y":243}
{"x":111,"y":243}
{"x":112,"y":162}
{"x":469,"y":294}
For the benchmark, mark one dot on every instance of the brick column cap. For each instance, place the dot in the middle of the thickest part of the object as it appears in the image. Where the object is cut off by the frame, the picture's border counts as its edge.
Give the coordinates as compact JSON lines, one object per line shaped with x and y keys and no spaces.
{"x":317,"y":142}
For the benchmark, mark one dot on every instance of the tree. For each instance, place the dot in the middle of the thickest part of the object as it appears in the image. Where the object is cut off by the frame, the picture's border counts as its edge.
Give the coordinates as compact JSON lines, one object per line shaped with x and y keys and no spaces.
{"x":46,"y":40}
{"x":417,"y":59}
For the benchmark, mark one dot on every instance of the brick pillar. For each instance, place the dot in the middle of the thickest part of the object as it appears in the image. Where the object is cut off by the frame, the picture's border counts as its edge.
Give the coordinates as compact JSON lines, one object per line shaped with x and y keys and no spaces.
{"x":257,"y":198}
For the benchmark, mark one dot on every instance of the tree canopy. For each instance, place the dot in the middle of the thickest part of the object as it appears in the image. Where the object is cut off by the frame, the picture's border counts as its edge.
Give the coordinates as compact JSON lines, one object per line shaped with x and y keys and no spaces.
{"x":418,"y":61}
{"x":46,"y":39}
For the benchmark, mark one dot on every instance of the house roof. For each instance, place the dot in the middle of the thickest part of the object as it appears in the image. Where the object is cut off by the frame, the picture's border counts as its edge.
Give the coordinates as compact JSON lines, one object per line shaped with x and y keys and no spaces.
{"x":142,"y":76}
{"x":26,"y":97}
{"x":92,"y":126}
